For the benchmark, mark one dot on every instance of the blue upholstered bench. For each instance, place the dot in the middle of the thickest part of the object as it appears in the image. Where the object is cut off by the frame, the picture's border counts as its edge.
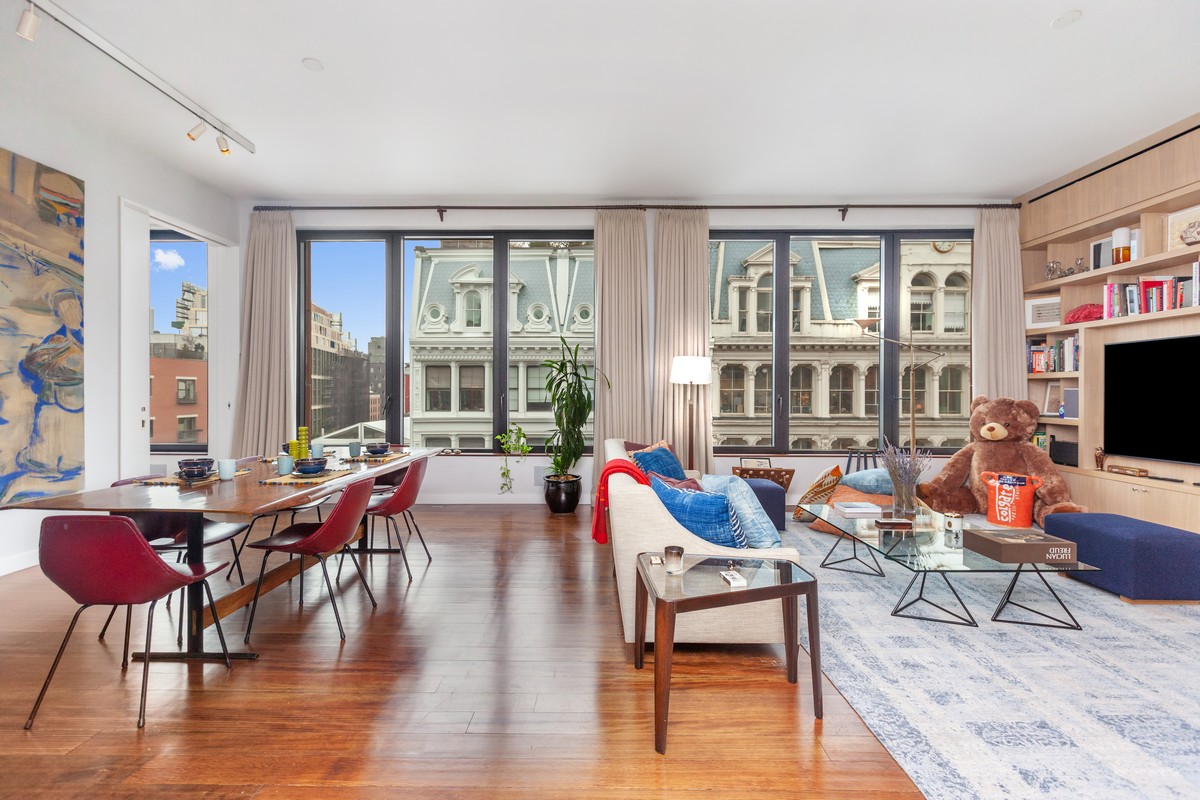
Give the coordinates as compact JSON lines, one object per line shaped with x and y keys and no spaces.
{"x":1138,"y":560}
{"x":773,"y":498}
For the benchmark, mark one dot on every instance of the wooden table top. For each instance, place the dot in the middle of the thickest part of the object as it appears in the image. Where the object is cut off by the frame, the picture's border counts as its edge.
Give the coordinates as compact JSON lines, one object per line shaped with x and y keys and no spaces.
{"x":243,"y":495}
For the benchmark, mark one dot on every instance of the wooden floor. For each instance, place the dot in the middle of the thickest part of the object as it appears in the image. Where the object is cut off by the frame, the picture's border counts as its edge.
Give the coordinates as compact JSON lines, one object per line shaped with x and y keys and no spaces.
{"x":499,"y":672}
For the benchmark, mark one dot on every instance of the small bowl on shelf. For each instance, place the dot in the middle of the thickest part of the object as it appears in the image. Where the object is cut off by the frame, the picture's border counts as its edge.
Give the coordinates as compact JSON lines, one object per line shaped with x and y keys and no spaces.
{"x":193,"y":472}
{"x":378,"y":448}
{"x":309,"y":466}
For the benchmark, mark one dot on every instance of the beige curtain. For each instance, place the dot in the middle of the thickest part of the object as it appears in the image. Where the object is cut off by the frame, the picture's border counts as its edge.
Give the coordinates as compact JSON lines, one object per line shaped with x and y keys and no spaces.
{"x":681,"y":319}
{"x":266,"y":389}
{"x":622,"y":329}
{"x":997,"y":306}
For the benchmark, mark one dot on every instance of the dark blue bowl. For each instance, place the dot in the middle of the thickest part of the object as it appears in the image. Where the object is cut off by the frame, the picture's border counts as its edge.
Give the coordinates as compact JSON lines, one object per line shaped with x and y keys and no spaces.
{"x":206,"y":463}
{"x":309,"y":466}
{"x":378,"y":449}
{"x":193,"y":472}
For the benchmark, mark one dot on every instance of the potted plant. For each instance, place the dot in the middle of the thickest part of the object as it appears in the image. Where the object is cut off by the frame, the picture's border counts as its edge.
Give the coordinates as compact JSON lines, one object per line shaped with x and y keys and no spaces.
{"x":513,"y":442}
{"x":569,"y":384}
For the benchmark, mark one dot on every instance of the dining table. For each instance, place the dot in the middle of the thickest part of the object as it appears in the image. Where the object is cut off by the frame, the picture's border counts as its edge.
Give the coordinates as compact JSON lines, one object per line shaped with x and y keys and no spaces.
{"x":253,"y":491}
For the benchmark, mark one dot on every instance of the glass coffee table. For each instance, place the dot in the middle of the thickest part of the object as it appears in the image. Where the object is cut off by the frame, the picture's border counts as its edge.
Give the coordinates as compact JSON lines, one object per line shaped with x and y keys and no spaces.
{"x":923,"y":551}
{"x":698,"y":586}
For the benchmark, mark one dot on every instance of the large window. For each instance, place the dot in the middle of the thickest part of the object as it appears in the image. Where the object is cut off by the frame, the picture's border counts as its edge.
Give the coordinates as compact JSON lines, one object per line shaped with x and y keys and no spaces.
{"x":841,"y":386}
{"x":458,"y":328}
{"x":178,"y":341}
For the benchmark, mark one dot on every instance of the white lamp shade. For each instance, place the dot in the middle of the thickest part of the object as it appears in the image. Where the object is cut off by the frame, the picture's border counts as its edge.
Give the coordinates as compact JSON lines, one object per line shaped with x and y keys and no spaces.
{"x":691,"y":370}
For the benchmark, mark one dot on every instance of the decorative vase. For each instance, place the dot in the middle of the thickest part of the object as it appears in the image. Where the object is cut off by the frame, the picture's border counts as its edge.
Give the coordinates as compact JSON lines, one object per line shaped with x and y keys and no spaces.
{"x":904,"y":496}
{"x":562,"y":493}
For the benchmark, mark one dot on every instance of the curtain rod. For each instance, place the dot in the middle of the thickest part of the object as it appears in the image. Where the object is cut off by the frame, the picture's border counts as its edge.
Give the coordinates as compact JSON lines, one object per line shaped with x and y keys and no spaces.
{"x":842,"y":208}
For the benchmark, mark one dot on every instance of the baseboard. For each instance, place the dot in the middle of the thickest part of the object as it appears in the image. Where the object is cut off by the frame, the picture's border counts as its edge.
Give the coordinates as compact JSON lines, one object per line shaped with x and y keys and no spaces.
{"x":1133,"y":602}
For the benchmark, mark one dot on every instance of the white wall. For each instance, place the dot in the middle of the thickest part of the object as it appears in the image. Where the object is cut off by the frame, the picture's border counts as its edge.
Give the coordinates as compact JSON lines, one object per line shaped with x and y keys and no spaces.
{"x":111,"y":172}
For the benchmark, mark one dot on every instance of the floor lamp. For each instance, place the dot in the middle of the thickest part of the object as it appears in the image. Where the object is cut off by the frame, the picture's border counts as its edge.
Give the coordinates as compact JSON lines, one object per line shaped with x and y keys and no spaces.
{"x":691,"y":371}
{"x":912,"y":374}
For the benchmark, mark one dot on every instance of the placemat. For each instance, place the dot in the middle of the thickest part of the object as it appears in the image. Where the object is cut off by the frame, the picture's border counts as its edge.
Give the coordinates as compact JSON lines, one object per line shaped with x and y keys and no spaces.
{"x":175,"y":480}
{"x":294,"y":479}
{"x":377,"y":459}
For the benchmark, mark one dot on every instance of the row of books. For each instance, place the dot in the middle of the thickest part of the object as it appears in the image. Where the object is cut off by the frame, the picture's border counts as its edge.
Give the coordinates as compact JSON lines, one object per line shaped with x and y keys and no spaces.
{"x":1151,"y":293}
{"x":1058,"y":356}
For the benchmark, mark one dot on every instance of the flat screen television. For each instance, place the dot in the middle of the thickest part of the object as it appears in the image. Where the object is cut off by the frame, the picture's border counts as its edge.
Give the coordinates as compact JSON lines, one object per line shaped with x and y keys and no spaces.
{"x":1149,"y":400}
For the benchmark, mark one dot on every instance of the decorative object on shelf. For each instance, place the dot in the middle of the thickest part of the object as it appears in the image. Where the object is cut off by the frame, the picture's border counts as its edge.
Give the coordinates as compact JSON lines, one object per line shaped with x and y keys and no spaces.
{"x":1054,"y":399}
{"x":513,"y":442}
{"x":904,"y":467}
{"x":1099,"y":454}
{"x":1136,"y":472}
{"x":1120,"y":245}
{"x":1053,"y":270}
{"x":1087,"y":312}
{"x":1080,"y":266}
{"x":758,"y":463}
{"x":1191,"y":234}
{"x":1042,"y":312}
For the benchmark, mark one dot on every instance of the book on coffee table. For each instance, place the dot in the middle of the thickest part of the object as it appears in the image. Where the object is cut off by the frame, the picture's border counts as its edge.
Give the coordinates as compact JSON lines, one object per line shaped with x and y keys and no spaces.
{"x":857,"y":508}
{"x":1020,"y":546}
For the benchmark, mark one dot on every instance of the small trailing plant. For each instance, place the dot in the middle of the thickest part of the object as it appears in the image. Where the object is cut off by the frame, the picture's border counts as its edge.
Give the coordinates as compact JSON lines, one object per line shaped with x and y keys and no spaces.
{"x":513,"y":442}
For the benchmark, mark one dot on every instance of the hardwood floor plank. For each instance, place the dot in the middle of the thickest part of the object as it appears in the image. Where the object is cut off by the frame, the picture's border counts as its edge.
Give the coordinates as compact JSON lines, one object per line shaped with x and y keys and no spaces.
{"x":488,"y":676}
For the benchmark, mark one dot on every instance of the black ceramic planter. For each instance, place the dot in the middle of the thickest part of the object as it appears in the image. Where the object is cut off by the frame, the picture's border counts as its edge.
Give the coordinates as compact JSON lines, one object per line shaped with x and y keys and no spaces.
{"x":562,"y":494}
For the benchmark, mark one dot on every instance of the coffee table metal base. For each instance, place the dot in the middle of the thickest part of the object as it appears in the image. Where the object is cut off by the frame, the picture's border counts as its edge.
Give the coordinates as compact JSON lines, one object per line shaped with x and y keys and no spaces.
{"x":957,"y":618}
{"x":1055,"y":622}
{"x":871,"y":569}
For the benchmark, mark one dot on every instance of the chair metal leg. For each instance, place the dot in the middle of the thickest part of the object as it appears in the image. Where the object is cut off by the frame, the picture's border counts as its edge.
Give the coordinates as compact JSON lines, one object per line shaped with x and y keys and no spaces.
{"x":246,"y":538}
{"x":301,"y":580}
{"x":37,"y":704}
{"x":257,"y":589}
{"x":408,"y":517}
{"x":146,"y":662}
{"x":332,"y":599}
{"x":182,"y":614}
{"x":125,"y":652}
{"x":217,"y":623}
{"x":346,"y":552}
{"x":237,"y":562}
{"x":400,"y":542}
{"x":104,"y":630}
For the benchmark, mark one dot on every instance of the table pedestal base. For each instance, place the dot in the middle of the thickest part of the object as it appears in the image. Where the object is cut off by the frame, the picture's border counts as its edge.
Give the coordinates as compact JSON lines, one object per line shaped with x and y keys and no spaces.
{"x":1055,"y":622}
{"x":956,"y":617}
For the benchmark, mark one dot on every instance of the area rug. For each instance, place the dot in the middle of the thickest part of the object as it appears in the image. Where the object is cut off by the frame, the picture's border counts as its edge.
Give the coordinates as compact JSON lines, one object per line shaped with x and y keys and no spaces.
{"x":1014,"y":711}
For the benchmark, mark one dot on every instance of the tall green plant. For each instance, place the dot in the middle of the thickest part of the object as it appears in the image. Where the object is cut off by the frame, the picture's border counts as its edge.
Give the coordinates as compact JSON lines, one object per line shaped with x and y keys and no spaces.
{"x":569,"y":384}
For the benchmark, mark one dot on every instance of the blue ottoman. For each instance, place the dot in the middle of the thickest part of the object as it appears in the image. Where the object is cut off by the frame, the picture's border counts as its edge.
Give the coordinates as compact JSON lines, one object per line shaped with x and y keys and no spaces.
{"x":773,"y":499}
{"x":1139,"y":560}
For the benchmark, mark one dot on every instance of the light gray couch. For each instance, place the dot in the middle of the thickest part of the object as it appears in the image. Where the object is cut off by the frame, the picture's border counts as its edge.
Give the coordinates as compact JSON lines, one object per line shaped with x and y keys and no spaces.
{"x":638,"y":522}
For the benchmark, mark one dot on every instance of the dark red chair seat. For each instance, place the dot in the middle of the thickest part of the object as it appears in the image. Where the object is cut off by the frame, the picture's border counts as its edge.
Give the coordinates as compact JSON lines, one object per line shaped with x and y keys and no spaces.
{"x":106,"y":560}
{"x":400,"y":502}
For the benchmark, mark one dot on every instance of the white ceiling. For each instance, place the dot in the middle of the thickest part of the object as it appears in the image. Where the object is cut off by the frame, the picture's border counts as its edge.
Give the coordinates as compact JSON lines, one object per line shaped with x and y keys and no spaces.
{"x":668,"y":100}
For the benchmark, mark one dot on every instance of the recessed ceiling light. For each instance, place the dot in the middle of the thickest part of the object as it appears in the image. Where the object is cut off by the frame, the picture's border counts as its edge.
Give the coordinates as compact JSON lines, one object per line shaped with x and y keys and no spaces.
{"x":1066,"y":18}
{"x":313,"y":63}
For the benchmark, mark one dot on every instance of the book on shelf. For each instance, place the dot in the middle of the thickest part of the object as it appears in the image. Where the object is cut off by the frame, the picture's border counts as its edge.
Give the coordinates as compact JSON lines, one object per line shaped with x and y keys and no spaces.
{"x":1042,"y":440}
{"x":857,"y":508}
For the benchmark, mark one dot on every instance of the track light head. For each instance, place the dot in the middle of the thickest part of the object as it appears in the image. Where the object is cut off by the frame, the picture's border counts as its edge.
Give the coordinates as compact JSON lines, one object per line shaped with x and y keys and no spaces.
{"x":223,"y":143}
{"x":198,"y":131}
{"x":27,"y":28}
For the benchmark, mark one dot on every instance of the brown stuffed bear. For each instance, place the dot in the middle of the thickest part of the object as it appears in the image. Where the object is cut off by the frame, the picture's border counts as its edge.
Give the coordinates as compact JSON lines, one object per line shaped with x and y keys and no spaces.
{"x":1000,"y":431}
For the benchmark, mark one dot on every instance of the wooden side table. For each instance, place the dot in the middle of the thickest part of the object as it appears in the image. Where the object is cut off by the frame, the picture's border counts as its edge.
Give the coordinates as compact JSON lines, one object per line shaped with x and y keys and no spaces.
{"x":701,"y":586}
{"x":779,"y":475}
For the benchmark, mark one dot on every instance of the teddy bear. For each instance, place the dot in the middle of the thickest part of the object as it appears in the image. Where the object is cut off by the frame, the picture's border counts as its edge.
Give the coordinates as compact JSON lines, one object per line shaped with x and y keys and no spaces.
{"x":1000,"y":433}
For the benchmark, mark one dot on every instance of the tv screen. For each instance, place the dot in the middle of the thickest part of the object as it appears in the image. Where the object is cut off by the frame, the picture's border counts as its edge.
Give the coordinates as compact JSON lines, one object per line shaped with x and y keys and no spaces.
{"x":1148,"y":399}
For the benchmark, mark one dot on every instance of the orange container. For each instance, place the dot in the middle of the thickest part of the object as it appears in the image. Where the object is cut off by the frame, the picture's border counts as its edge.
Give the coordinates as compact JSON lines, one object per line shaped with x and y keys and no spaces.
{"x":1010,"y":498}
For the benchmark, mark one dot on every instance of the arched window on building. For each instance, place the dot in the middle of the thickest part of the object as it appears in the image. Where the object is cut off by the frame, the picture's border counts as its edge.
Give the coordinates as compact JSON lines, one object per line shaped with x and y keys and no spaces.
{"x":871,"y":393}
{"x":950,"y":392}
{"x":734,"y":441}
{"x":762,"y":390}
{"x":843,"y":444}
{"x":841,"y":390}
{"x":801,"y":390}
{"x":955,"y":305}
{"x":804,"y":443}
{"x":921,"y":302}
{"x":733,"y":389}
{"x":763,"y":304}
{"x":472,"y":309}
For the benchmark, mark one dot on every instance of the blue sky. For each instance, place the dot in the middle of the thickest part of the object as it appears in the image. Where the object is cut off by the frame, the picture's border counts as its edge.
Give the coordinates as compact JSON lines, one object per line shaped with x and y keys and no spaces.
{"x":172,"y":263}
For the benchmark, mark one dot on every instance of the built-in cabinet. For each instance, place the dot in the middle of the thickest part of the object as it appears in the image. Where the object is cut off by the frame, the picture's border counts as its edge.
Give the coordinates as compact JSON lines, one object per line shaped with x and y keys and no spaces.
{"x":1150,"y":191}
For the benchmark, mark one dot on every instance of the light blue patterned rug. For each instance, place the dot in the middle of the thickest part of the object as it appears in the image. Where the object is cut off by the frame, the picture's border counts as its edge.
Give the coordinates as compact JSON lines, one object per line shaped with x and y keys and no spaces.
{"x":1013,"y":711}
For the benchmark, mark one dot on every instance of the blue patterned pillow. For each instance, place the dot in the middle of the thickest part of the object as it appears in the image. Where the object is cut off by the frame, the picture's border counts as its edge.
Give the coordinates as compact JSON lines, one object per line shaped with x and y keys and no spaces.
{"x":869,"y":481}
{"x":660,"y":459}
{"x":756,"y":523}
{"x":710,"y":516}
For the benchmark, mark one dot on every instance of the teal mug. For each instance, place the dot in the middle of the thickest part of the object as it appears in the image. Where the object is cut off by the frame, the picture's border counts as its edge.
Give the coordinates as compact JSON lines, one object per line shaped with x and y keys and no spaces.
{"x":355,"y":449}
{"x":284,"y":463}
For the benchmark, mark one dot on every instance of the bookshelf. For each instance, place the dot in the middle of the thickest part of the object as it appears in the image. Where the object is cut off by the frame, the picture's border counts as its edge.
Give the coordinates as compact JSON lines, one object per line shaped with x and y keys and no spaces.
{"x":1151,"y":192}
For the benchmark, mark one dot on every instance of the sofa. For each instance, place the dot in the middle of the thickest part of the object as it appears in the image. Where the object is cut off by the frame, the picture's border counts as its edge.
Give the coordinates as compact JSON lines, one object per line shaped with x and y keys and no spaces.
{"x":638,"y":522}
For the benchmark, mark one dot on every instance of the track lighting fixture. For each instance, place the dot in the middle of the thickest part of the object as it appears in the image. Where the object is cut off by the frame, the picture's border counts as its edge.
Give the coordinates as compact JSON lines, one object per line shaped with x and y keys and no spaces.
{"x":27,"y":28}
{"x":198,"y":131}
{"x":223,"y":143}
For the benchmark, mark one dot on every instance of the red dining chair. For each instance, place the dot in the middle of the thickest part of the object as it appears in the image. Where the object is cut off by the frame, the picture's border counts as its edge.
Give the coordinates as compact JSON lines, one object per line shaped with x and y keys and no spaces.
{"x":318,"y":538}
{"x":400,"y":502}
{"x":106,"y":560}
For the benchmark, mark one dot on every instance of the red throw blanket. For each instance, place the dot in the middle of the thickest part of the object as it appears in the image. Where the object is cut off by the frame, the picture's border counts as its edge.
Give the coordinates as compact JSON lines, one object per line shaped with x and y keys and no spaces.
{"x":600,"y":505}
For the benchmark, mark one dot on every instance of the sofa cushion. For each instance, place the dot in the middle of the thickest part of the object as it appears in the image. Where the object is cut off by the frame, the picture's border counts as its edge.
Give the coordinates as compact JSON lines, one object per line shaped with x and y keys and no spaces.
{"x":845,"y":493}
{"x":686,"y":483}
{"x":756,"y":523}
{"x":871,"y":481}
{"x":819,"y":491}
{"x":632,"y":446}
{"x":706,"y":514}
{"x":660,"y":459}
